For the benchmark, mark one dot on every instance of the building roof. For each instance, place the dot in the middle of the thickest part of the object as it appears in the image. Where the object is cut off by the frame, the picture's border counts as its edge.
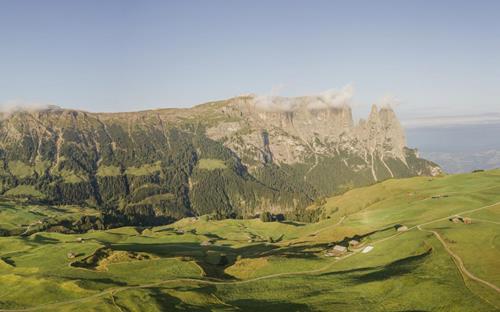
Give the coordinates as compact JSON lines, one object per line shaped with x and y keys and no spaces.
{"x":339,"y":248}
{"x":367,"y":249}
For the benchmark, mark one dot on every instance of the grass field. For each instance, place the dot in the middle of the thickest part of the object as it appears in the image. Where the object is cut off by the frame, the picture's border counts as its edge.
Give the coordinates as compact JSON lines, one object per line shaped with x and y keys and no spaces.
{"x":111,"y":171}
{"x":25,"y":190}
{"x":22,"y":170}
{"x":148,"y":169}
{"x":19,"y":216}
{"x":246,"y":265}
{"x":211,"y":164}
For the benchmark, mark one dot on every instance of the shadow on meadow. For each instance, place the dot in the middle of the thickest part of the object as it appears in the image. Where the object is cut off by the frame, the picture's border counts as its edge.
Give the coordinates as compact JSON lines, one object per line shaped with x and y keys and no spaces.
{"x":379,"y":273}
{"x":9,"y":261}
{"x":168,"y":302}
{"x":292,"y":223}
{"x":214,"y":259}
{"x":43,"y":240}
{"x":269,"y":305}
{"x":96,"y":283}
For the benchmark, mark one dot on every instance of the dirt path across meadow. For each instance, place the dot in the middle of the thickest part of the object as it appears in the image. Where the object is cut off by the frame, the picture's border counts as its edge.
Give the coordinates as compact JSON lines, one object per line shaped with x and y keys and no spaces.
{"x":458,"y":261}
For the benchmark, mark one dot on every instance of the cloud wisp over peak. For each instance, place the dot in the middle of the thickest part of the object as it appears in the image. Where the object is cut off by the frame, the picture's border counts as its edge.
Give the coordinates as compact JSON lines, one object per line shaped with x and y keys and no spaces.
{"x":326,"y":99}
{"x":9,"y":107}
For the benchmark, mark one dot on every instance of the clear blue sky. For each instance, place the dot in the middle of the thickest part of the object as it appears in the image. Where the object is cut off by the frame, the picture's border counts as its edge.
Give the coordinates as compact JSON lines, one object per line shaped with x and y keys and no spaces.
{"x":437,"y":57}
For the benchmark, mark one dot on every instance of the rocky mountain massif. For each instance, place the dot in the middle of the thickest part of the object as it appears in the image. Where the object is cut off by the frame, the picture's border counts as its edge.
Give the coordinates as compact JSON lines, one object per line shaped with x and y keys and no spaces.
{"x":231,"y":158}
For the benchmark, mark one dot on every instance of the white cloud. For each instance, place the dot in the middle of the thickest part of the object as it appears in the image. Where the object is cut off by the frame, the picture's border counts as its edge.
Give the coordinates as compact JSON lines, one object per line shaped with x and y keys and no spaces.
{"x":325,"y":99}
{"x":12,"y":106}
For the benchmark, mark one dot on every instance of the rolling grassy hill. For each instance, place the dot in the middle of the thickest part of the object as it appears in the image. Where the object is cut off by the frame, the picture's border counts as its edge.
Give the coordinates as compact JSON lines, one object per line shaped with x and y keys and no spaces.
{"x":197,"y":264}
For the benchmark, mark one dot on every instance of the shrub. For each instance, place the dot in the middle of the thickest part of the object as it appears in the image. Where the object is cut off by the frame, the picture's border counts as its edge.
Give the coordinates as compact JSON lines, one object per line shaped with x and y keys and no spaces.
{"x":266,"y":217}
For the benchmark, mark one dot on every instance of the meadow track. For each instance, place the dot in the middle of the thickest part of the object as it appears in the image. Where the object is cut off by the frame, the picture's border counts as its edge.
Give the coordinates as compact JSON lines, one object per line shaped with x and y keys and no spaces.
{"x":458,"y":261}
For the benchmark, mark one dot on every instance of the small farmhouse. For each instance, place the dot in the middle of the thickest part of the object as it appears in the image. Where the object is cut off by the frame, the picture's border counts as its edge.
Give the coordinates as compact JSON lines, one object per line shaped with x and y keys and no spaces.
{"x":338,"y":250}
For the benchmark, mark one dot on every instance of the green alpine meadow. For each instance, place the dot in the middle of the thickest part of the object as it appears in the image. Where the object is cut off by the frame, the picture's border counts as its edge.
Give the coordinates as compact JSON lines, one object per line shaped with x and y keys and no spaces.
{"x":445,"y":258}
{"x":249,"y":156}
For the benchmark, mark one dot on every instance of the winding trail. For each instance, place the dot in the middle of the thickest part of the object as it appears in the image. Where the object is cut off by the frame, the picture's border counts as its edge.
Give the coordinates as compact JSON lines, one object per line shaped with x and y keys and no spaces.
{"x":29,"y":227}
{"x":329,"y":227}
{"x":458,"y":261}
{"x":114,"y":291}
{"x":455,"y":214}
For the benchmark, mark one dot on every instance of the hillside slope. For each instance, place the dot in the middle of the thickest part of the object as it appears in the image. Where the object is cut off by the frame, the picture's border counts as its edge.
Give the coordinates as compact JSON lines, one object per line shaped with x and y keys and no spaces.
{"x":230,"y":158}
{"x":197,"y":264}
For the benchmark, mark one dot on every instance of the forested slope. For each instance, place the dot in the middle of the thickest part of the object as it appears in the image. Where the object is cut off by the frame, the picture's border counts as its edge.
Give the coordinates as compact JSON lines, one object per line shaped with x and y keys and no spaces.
{"x":223,"y":158}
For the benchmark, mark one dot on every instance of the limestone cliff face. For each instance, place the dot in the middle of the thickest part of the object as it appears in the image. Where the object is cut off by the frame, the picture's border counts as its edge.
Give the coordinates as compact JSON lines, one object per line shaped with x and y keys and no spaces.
{"x":301,"y":130}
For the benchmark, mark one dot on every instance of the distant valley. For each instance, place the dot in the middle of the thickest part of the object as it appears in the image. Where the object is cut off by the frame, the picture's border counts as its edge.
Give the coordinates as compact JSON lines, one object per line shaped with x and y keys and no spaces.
{"x":458,"y":148}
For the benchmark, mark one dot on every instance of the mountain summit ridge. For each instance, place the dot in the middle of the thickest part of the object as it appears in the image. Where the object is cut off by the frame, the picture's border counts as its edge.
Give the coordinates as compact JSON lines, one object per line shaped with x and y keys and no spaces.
{"x":321,"y":130}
